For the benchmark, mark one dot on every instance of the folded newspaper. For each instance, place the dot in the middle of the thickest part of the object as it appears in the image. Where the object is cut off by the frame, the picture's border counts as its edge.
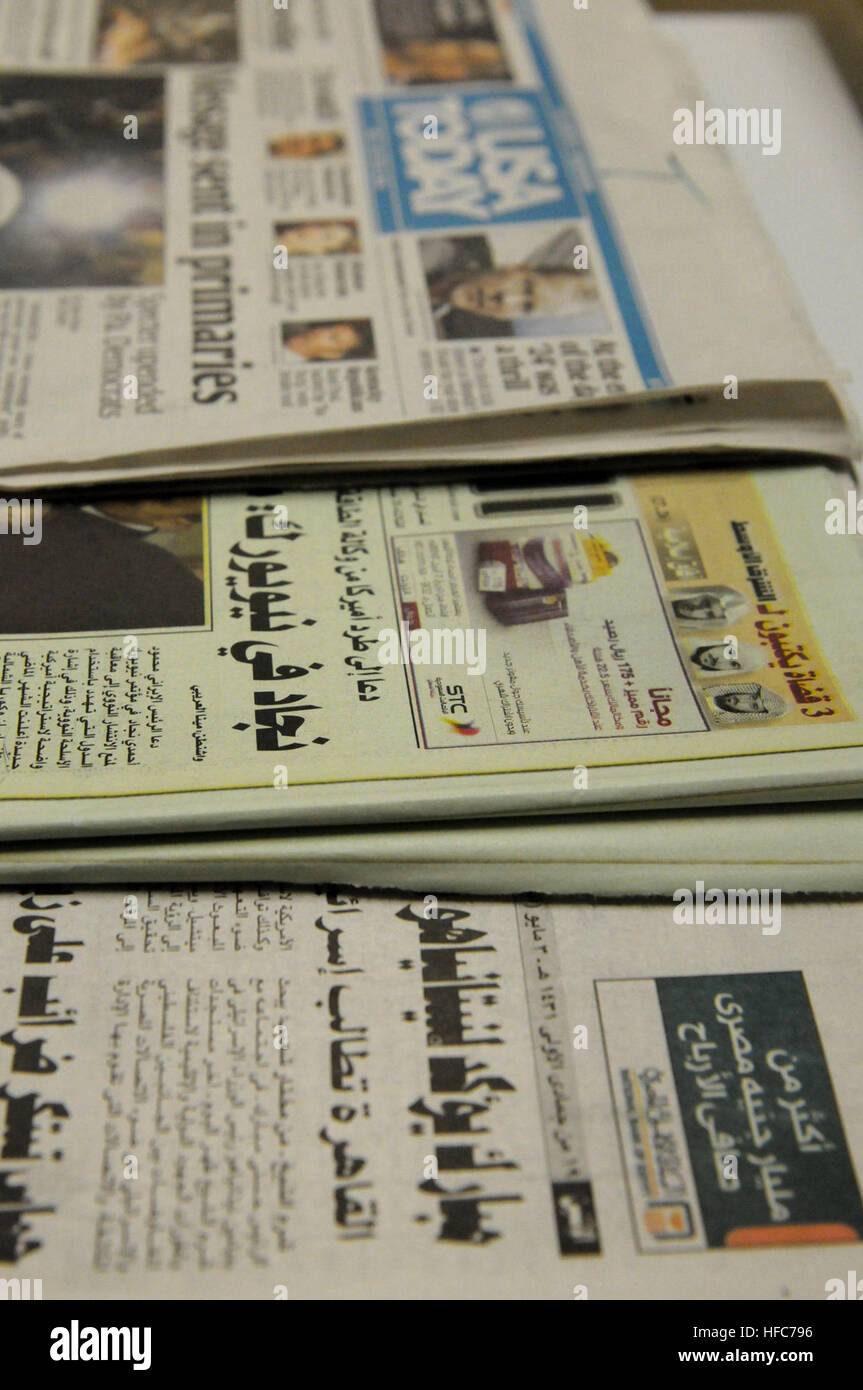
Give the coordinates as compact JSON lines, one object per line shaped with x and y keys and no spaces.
{"x":275,"y":1095}
{"x":816,"y":848}
{"x":357,"y":655}
{"x":240,"y":235}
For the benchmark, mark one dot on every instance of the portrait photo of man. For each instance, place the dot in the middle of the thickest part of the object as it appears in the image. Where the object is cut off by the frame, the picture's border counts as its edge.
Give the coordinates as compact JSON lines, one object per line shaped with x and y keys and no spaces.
{"x":744,"y":703}
{"x":719,"y":657}
{"x":475,"y":293}
{"x":708,"y":605}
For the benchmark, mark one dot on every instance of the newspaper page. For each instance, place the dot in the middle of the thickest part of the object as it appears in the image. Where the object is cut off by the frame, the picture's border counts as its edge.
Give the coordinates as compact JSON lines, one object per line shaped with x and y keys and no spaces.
{"x":413,"y":652}
{"x":222,"y":221}
{"x":266,"y":1094}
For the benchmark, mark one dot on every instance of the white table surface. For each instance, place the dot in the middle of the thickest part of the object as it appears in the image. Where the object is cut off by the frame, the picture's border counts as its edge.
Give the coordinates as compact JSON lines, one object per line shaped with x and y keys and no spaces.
{"x":809,"y":196}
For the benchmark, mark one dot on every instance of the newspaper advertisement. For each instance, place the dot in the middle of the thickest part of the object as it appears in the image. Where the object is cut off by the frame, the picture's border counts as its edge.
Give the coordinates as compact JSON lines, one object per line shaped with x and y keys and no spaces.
{"x":285,"y":657}
{"x":231,"y":220}
{"x":260,"y":1093}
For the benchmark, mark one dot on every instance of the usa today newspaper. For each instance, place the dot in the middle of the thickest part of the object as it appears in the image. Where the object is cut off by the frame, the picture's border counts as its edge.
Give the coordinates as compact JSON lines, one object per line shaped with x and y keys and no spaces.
{"x":260,"y":235}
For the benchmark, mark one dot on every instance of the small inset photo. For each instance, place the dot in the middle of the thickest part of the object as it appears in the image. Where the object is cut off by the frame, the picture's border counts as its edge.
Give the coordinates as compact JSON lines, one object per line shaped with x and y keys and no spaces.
{"x":509,"y":284}
{"x":307,"y":144}
{"x":118,"y":564}
{"x":708,"y":605}
{"x":745,"y":702}
{"x":327,"y":236}
{"x":426,"y":42}
{"x":329,"y":340}
{"x":718,"y":656}
{"x":138,"y":33}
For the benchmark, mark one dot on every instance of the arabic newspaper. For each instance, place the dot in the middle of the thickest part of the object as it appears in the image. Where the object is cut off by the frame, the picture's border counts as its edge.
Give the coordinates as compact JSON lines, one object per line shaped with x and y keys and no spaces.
{"x":266,"y":1094}
{"x":414,"y":652}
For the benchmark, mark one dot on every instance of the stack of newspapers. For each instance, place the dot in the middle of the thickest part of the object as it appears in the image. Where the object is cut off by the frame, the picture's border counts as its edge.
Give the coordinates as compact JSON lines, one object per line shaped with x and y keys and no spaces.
{"x":417,"y":475}
{"x":536,"y":559}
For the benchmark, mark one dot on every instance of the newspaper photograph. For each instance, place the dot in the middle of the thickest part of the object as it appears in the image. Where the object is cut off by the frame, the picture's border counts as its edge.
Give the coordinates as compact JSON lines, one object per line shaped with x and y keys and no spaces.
{"x":61,"y":148}
{"x":234,"y":222}
{"x":153,"y":32}
{"x":409,"y":652}
{"x":262,"y":1094}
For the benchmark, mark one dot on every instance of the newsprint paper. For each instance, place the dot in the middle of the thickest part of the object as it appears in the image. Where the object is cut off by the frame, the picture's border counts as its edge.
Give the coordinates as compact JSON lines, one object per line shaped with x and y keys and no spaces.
{"x":361,"y":654}
{"x":814,"y":847}
{"x":312,"y":223}
{"x":268,"y":1094}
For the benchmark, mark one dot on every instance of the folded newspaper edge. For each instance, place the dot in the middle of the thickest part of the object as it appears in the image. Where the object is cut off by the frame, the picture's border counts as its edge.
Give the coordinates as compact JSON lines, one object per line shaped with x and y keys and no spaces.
{"x":814,"y":848}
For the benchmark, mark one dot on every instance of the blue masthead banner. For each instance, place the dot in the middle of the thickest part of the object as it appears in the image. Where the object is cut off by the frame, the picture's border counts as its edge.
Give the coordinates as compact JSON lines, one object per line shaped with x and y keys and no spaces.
{"x":464,"y":160}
